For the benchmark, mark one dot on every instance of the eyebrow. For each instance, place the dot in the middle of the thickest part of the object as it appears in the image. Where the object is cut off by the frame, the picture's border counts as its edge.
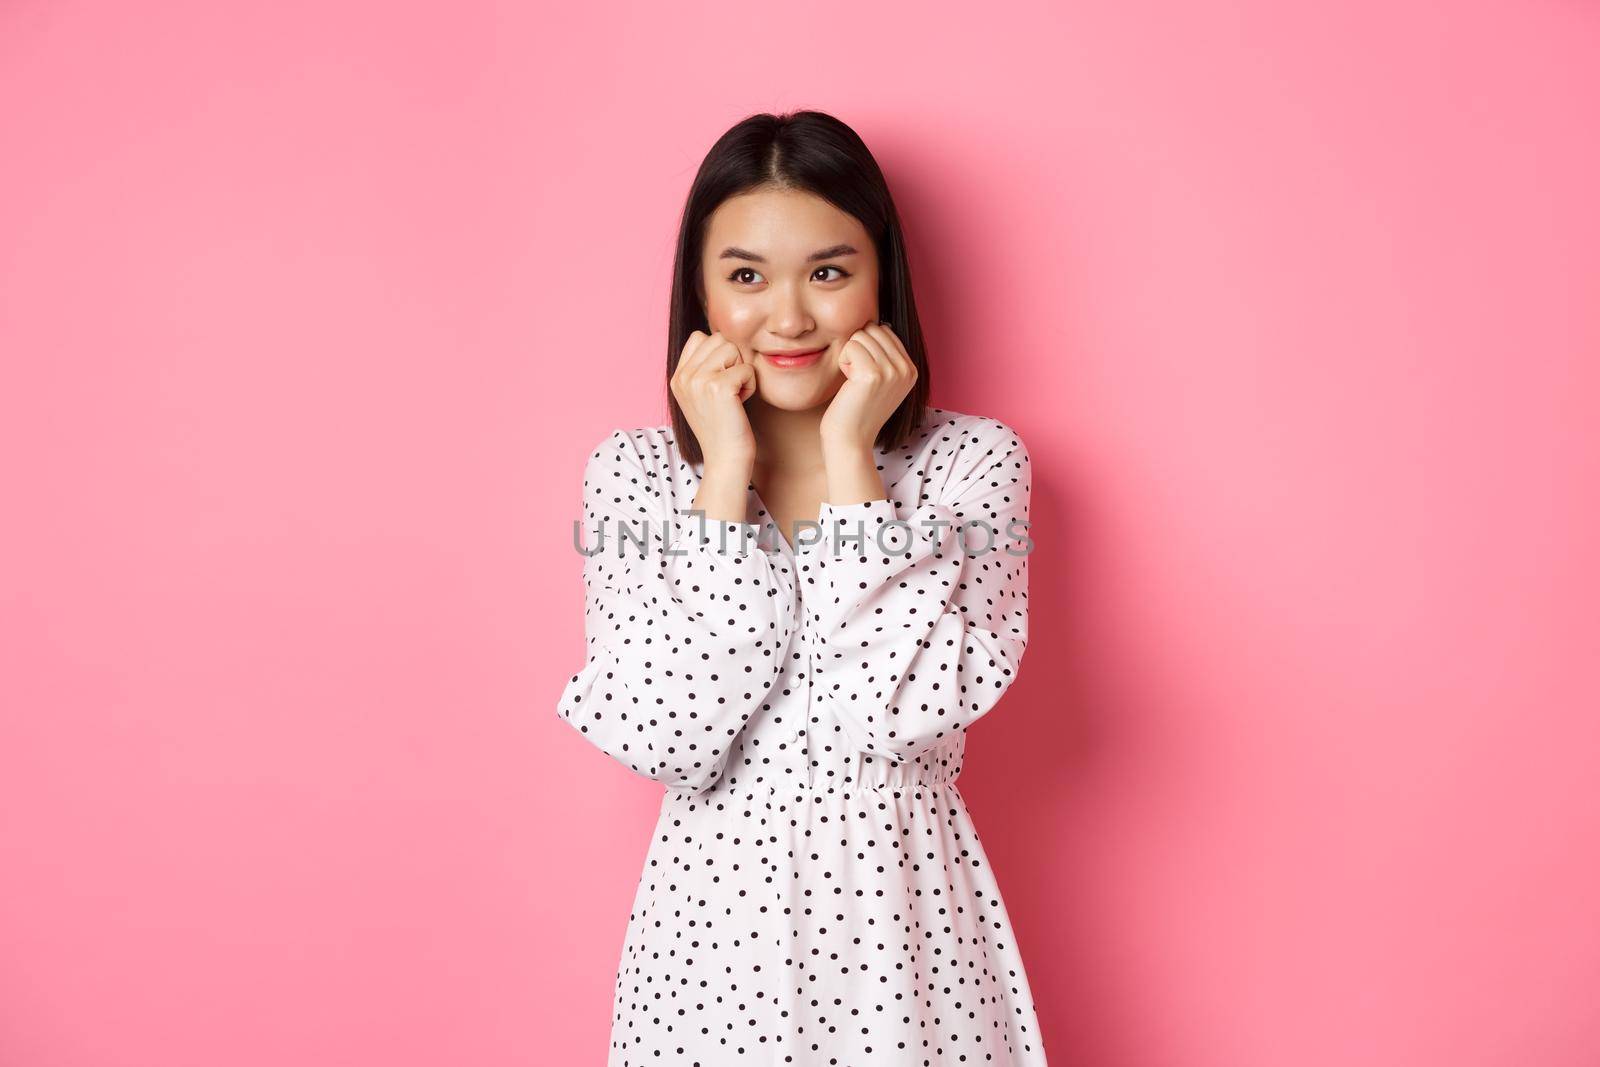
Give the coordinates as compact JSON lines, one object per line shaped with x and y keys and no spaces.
{"x":732,"y":252}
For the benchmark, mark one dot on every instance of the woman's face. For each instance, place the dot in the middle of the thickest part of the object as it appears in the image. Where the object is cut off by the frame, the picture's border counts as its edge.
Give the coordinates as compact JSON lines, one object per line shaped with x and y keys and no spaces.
{"x":785,"y":271}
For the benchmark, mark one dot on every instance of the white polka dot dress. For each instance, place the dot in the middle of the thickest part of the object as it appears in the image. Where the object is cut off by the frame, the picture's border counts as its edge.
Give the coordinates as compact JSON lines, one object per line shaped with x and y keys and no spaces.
{"x":815,"y":892}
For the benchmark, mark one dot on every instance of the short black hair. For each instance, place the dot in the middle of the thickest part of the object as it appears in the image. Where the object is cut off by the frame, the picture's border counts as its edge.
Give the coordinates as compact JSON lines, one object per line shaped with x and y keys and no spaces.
{"x":816,"y":153}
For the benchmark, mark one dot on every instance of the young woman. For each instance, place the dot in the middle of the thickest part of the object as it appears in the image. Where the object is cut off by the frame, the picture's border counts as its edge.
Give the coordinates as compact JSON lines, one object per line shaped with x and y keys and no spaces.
{"x":802,"y":593}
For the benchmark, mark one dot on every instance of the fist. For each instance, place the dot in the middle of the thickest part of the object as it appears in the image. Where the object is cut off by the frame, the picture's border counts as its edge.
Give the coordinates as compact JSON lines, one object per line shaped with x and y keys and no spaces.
{"x":879,"y":375}
{"x":711,"y":383}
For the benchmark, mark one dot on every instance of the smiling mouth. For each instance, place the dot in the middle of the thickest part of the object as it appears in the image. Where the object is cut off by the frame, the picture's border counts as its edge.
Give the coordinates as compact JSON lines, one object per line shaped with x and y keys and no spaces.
{"x":796,"y":352}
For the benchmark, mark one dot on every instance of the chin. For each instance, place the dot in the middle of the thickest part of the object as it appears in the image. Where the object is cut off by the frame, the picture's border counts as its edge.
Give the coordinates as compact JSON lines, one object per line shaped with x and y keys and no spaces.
{"x":795,"y":396}
{"x":793,"y":400}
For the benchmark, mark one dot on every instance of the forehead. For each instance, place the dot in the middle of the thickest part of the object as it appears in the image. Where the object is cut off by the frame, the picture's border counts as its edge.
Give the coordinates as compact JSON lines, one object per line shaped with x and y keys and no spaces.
{"x":780,"y":224}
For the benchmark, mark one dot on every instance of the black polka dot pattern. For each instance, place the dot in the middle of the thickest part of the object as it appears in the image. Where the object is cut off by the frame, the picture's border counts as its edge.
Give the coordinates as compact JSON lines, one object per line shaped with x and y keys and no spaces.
{"x":815,"y":891}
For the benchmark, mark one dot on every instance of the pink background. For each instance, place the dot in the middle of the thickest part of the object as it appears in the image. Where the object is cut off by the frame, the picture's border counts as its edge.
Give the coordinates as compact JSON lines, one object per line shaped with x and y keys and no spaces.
{"x":310,"y":313}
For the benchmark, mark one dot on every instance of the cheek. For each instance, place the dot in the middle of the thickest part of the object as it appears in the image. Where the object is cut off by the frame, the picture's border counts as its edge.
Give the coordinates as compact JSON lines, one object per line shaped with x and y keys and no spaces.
{"x":848,"y":310}
{"x":732,"y":318}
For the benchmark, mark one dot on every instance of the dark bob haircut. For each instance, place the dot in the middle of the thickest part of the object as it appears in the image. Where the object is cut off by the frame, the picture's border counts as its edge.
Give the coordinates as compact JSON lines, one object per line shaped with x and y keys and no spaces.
{"x":816,"y":153}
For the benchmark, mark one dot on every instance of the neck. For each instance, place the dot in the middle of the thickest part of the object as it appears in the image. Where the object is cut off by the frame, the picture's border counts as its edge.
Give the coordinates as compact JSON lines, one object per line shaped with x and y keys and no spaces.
{"x":787,"y":441}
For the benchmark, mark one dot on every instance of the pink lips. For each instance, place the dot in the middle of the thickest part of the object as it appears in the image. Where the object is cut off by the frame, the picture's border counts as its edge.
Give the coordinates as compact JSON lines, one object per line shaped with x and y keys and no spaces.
{"x":796,"y":358}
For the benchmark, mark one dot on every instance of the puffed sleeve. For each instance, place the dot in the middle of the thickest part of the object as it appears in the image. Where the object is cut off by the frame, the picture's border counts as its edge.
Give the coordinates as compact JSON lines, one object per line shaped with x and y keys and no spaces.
{"x":923,"y":630}
{"x":686,"y":620}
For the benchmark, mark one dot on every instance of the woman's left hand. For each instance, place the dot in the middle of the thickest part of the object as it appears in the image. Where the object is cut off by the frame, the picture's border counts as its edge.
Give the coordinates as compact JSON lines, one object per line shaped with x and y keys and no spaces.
{"x":878,"y":376}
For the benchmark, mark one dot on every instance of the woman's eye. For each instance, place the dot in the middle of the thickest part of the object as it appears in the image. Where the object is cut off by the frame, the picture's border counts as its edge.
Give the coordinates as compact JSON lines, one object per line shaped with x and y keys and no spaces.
{"x":738,"y":275}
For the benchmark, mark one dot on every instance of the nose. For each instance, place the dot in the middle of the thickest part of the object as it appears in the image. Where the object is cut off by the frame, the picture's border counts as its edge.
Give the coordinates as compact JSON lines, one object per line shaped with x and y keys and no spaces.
{"x":787,"y":316}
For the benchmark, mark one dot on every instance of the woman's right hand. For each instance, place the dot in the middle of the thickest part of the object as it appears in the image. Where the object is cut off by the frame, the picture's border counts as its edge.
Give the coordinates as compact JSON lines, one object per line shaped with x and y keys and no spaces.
{"x":711,"y":383}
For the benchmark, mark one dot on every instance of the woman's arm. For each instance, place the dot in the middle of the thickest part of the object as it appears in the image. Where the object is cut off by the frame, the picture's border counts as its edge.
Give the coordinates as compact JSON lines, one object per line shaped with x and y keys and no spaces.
{"x":920,"y":640}
{"x":685,"y":636}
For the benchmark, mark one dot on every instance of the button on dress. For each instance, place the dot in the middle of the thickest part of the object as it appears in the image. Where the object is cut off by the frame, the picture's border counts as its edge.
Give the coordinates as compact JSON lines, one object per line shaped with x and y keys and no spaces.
{"x":815,"y":892}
